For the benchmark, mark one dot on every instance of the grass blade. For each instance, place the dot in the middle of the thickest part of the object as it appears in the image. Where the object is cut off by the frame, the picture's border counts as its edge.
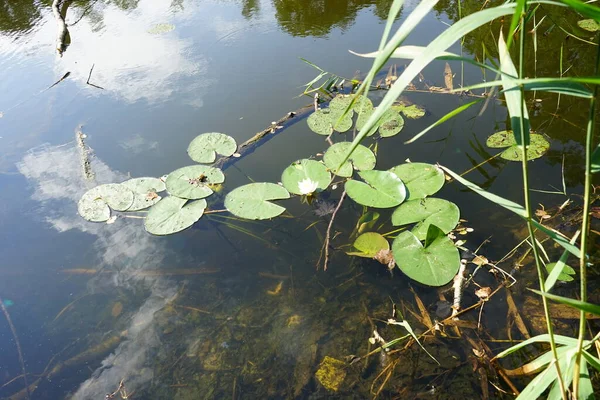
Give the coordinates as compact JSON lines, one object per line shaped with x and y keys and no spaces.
{"x":545,"y":338}
{"x":560,"y":265}
{"x":578,"y":304}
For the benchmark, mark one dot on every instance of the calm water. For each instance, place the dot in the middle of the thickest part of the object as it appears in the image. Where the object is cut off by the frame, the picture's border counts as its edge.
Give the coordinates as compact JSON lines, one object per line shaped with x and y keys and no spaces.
{"x":94,"y":304}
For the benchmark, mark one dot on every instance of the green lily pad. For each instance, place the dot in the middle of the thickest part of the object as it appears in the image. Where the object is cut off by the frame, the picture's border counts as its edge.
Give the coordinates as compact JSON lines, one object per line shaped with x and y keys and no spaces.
{"x":340,"y":103}
{"x":94,"y":204}
{"x":413,"y":111}
{"x":362,"y":120}
{"x":383,"y":189}
{"x":390,"y":124}
{"x":538,"y":146}
{"x":320,"y":122}
{"x":252,"y":201}
{"x":173,"y":214}
{"x":342,"y":125}
{"x":425,"y":212}
{"x":161,"y":28}
{"x":565,"y":275}
{"x":589,"y":25}
{"x":361,"y":159}
{"x":362,"y":104}
{"x":306,"y":177}
{"x":194,"y":182}
{"x":433,"y":265}
{"x":421,"y":179}
{"x":144,"y":192}
{"x":205,"y":147}
{"x":369,"y":244}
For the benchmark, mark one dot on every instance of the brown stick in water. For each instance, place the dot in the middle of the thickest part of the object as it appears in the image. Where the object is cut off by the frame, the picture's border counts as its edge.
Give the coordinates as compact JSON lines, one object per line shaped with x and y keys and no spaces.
{"x":17,"y":343}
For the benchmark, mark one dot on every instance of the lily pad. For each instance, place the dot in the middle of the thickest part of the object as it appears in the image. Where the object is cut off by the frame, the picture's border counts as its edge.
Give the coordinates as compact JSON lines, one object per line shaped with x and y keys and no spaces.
{"x":94,"y":204}
{"x":369,"y":244}
{"x":194,"y":182}
{"x":589,"y":25}
{"x":421,"y":179}
{"x":425,"y":212}
{"x":252,"y":201}
{"x":173,"y":214}
{"x":320,"y":122}
{"x":341,"y":125}
{"x":145,"y":192}
{"x":565,"y":275}
{"x":362,"y":120}
{"x":161,"y":28}
{"x":339,"y":104}
{"x":538,"y":146}
{"x":361,"y":159}
{"x":390,"y":124}
{"x":363,"y":104}
{"x":383,"y":189}
{"x":306,"y":177}
{"x":433,"y":265}
{"x":205,"y":147}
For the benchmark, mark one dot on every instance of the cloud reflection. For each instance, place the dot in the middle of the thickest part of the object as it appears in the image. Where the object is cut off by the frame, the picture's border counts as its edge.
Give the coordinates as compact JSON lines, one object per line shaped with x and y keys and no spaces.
{"x":124,"y":247}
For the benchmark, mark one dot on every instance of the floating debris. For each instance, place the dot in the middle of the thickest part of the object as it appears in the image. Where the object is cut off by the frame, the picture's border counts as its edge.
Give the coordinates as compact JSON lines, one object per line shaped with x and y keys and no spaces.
{"x":331,"y":373}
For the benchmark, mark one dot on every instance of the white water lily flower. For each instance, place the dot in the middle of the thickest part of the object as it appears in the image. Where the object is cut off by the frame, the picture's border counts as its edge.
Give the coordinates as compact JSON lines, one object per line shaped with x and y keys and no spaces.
{"x":307,"y":186}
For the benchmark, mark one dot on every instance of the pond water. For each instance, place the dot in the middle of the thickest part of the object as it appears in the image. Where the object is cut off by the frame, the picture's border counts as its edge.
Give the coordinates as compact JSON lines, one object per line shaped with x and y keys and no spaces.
{"x":231,"y":309}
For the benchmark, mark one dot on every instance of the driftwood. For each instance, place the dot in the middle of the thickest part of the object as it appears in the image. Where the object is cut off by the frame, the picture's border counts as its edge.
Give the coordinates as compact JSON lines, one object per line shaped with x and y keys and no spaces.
{"x":63,"y":39}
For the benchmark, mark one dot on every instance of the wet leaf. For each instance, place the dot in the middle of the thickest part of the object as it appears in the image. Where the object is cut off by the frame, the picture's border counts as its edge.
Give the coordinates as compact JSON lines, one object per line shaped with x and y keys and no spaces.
{"x":144,"y":192}
{"x":448,"y":77}
{"x":589,"y":25}
{"x":425,"y":212}
{"x":483,"y":293}
{"x":434,"y":265}
{"x":363,"y":118}
{"x":342,"y":125}
{"x":363,"y":104}
{"x":361,"y":159}
{"x":390,"y":124}
{"x":252,"y":201}
{"x":421,"y":179}
{"x":305,"y":177}
{"x":383,"y":189}
{"x":94,"y":204}
{"x":205,"y":147}
{"x":161,"y":28}
{"x":480,"y":260}
{"x":566,"y":275}
{"x":538,"y":146}
{"x":369,"y":244}
{"x":194,"y":182}
{"x":339,"y":104}
{"x":173,"y":214}
{"x":320,"y":122}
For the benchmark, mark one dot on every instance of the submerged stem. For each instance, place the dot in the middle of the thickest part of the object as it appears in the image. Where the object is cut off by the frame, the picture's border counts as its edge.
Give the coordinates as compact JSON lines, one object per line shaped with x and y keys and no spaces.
{"x":585,"y":227}
{"x":525,"y":169}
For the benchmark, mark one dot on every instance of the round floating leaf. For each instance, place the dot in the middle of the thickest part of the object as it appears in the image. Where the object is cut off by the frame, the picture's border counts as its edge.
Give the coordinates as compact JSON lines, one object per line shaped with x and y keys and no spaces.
{"x":320,"y":122}
{"x":342,"y":125}
{"x":434,"y":265}
{"x":305,"y":177}
{"x":173,"y":214}
{"x":193,"y":182}
{"x":428,"y":211}
{"x":421,"y":179}
{"x":538,"y":146}
{"x":161,"y":28}
{"x":363,"y":104}
{"x":369,"y":244}
{"x":144,"y":192}
{"x":390,"y":124}
{"x":205,"y":147}
{"x":413,"y":112}
{"x":383,"y":189}
{"x":340,"y":103}
{"x":252,"y":201}
{"x":93,"y":204}
{"x":589,"y":25}
{"x":362,"y":120}
{"x":362,"y":159}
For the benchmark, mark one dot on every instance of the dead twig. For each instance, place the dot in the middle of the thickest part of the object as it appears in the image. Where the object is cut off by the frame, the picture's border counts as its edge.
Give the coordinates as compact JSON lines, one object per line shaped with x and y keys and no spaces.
{"x":328,"y":234}
{"x":90,"y":76}
{"x":17,"y":344}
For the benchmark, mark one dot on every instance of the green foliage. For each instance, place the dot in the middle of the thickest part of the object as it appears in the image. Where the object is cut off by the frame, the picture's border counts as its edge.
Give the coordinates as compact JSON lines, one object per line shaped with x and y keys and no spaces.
{"x":362,"y":159}
{"x":538,"y":146}
{"x":369,"y":244}
{"x":144,"y":192}
{"x":94,"y":204}
{"x":434,"y":264}
{"x":381,"y":189}
{"x":426,"y":212}
{"x":566,"y":275}
{"x":253,"y":201}
{"x":205,"y":147}
{"x":306,"y":177}
{"x":173,"y":214}
{"x":421,"y":179}
{"x":411,"y":111}
{"x":194,"y":182}
{"x":589,"y":25}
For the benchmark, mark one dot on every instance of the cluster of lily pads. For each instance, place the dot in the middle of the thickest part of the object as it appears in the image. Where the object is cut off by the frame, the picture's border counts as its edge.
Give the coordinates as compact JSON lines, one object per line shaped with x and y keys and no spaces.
{"x":424,"y":253}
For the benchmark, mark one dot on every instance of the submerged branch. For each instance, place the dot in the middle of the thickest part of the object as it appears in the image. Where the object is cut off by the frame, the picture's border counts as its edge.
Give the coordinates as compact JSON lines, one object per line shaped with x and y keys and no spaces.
{"x":18,"y":344}
{"x":63,"y":38}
